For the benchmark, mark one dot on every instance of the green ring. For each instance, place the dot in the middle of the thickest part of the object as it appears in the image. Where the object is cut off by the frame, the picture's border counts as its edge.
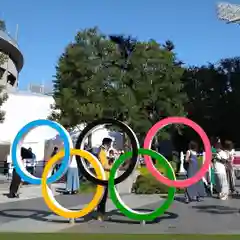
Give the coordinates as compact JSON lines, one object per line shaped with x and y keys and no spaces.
{"x":122,"y":206}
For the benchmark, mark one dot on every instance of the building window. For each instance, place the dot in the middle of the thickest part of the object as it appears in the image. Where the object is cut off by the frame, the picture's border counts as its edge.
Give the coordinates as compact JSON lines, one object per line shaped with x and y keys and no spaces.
{"x":11,"y":79}
{"x":1,"y":72}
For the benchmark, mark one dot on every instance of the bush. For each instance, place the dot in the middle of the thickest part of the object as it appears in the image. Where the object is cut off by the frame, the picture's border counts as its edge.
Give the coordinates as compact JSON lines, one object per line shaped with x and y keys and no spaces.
{"x":147,"y":184}
{"x":87,"y":187}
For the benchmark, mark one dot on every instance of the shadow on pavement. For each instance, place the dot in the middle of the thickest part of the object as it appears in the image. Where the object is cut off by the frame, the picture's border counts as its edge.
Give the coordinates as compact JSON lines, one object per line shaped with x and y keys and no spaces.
{"x":216,"y":209}
{"x":128,"y":221}
{"x":39,"y":215}
{"x":236,"y":196}
{"x":180,"y":199}
{"x":43,"y":216}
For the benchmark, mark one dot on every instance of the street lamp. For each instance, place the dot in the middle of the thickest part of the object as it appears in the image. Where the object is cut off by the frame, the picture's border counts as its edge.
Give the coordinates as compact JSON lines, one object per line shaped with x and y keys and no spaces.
{"x":228,"y":12}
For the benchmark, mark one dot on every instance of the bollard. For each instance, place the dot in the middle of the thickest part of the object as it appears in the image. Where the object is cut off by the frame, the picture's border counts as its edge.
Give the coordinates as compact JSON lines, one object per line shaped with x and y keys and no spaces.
{"x":143,"y":222}
{"x":182,"y":170}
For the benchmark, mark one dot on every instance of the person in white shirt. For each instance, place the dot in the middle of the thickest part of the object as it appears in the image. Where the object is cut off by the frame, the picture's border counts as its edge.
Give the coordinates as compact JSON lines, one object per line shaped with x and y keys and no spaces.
{"x":72,"y":184}
{"x":228,"y":147}
{"x":220,"y":172}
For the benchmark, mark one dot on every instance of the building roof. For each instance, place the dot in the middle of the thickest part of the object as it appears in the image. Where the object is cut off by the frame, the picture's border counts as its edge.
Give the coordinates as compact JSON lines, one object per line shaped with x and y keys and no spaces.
{"x":28,"y":93}
{"x":9,"y":46}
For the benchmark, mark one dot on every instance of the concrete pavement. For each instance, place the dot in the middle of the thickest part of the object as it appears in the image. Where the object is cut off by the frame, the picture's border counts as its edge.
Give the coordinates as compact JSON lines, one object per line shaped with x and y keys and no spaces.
{"x":212,"y":216}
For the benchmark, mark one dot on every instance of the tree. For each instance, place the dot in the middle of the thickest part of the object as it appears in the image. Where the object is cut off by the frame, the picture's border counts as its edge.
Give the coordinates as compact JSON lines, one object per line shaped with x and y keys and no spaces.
{"x":93,"y":79}
{"x":230,"y":70}
{"x":81,"y":78}
{"x":213,"y":93}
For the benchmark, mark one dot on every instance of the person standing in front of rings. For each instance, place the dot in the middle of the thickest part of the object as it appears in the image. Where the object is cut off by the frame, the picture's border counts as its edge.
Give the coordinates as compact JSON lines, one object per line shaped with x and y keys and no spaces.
{"x":16,"y":179}
{"x":228,"y":147}
{"x":197,"y":190}
{"x":220,"y":172}
{"x":72,"y":184}
{"x":56,"y":167}
{"x":102,"y":156}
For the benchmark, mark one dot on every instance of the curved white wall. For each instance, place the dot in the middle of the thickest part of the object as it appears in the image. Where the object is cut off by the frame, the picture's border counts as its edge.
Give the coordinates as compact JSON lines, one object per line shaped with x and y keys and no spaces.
{"x":22,"y":108}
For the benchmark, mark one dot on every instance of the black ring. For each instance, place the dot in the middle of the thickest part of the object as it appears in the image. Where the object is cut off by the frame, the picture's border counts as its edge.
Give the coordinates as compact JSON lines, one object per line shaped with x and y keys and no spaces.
{"x":134,"y":143}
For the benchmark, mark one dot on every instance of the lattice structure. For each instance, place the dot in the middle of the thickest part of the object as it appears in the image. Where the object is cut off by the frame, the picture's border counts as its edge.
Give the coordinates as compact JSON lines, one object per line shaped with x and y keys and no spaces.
{"x":228,"y":12}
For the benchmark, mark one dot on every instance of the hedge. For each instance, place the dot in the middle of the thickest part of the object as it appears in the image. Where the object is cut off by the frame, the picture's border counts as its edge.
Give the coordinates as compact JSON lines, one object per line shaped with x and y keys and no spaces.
{"x":147,"y":184}
{"x":144,"y":184}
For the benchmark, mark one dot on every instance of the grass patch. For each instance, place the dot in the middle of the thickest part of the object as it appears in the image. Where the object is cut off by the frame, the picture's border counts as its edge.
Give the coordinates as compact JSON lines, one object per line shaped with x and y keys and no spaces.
{"x":147,"y":184}
{"x":144,"y":171}
{"x":87,"y":187}
{"x":73,"y":236}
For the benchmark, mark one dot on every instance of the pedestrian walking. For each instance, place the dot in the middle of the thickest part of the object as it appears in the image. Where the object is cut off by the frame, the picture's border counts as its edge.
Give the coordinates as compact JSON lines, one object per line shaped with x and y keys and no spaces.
{"x":31,"y":162}
{"x":228,"y":147}
{"x":57,"y":165}
{"x":72,"y":184}
{"x":16,"y":179}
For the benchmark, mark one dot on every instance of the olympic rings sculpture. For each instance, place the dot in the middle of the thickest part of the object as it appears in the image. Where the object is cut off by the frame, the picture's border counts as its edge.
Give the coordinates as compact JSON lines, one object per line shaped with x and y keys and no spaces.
{"x":100,"y":178}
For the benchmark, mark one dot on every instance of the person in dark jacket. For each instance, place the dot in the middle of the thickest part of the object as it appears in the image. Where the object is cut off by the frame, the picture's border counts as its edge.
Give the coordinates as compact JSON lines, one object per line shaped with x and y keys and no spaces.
{"x":16,"y":179}
{"x":55,"y":151}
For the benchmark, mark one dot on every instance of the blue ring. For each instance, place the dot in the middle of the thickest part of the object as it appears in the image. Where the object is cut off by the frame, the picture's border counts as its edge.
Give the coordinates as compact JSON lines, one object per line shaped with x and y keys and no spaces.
{"x":65,"y":161}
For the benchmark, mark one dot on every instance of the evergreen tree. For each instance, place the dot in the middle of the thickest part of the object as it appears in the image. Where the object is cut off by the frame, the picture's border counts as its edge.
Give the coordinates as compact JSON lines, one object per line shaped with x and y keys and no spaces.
{"x":118,"y":77}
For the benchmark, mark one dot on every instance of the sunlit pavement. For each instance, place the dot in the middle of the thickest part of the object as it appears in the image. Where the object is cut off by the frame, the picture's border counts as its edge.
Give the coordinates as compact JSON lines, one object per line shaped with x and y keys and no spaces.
{"x":211,"y":216}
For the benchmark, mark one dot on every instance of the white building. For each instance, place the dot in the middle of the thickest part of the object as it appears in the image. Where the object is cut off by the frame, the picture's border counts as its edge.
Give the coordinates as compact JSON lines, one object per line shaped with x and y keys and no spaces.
{"x":23,"y":107}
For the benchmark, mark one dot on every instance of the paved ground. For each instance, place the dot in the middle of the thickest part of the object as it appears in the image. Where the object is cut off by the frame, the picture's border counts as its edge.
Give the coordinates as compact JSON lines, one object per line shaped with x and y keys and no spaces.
{"x":209,"y":217}
{"x":212,"y":216}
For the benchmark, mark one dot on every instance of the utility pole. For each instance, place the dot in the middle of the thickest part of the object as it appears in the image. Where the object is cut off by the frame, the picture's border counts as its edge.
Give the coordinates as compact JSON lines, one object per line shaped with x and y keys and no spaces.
{"x":16,"y":33}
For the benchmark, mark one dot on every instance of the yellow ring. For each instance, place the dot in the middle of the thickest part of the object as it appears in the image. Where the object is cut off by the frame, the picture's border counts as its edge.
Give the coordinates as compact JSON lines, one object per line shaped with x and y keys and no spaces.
{"x":49,"y":197}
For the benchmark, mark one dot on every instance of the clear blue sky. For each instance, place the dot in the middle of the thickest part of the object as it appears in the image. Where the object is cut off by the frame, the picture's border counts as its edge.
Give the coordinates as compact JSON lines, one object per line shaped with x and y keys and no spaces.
{"x":47,"y":26}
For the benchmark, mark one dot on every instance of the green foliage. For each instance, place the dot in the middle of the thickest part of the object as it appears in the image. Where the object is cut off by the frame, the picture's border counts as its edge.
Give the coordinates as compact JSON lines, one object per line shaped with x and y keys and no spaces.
{"x":93,"y":81}
{"x":147,"y":184}
{"x":213,"y":93}
{"x":87,"y":187}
